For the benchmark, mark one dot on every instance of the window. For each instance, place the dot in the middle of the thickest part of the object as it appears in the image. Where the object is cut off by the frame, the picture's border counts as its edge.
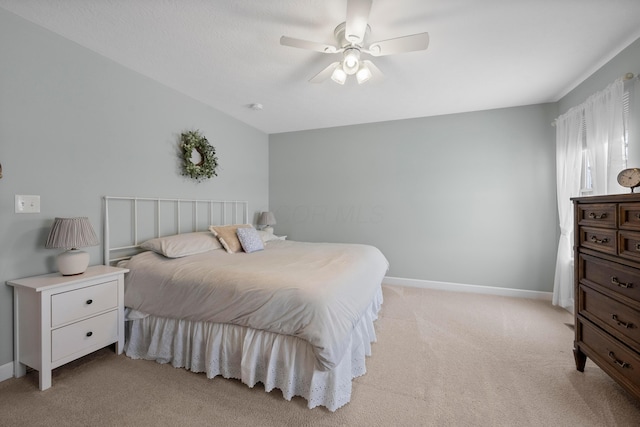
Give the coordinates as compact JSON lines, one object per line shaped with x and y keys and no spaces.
{"x":586,"y":187}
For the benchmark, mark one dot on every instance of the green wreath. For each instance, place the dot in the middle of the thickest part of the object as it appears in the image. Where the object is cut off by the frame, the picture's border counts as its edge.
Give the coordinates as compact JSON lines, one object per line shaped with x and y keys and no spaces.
{"x":206,"y":167}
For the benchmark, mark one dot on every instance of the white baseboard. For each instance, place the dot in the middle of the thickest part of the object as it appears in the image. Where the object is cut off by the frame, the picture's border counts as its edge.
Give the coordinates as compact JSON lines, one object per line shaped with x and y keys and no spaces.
{"x":6,"y":371}
{"x":476,"y":289}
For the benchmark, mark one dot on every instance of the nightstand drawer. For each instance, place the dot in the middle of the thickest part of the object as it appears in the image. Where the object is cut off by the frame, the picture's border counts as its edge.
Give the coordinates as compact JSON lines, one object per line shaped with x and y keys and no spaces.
{"x":80,"y":303}
{"x":99,"y":330}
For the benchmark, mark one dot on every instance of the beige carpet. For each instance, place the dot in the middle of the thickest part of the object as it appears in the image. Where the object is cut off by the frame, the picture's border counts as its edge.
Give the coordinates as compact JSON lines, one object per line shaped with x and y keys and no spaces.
{"x":442,"y":359}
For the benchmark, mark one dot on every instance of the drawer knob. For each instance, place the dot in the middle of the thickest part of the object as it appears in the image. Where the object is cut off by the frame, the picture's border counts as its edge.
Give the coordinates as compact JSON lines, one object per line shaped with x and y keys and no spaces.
{"x":620,"y":363}
{"x":89,"y":301}
{"x":616,"y":282}
{"x":594,"y":239}
{"x":89,"y":333}
{"x":637,"y":246}
{"x":593,"y":215}
{"x":620,"y":322}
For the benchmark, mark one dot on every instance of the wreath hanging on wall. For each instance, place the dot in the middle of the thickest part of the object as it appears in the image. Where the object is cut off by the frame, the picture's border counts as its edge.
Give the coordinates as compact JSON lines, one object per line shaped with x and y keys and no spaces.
{"x":199,"y":159}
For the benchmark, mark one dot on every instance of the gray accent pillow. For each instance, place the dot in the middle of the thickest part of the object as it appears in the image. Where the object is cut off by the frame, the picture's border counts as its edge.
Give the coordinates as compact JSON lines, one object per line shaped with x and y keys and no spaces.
{"x":250,"y":239}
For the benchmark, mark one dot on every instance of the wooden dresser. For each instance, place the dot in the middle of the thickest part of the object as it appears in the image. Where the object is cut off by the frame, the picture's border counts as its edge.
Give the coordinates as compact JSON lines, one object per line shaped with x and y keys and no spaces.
{"x":607,"y":286}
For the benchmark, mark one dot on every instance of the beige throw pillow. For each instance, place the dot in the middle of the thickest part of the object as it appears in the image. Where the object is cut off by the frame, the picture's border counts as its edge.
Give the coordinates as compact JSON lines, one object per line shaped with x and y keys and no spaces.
{"x":228,"y":237}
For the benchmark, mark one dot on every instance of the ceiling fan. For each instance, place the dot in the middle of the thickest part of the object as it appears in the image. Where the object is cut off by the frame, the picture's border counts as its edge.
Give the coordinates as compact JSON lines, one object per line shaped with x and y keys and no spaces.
{"x":351,"y":41}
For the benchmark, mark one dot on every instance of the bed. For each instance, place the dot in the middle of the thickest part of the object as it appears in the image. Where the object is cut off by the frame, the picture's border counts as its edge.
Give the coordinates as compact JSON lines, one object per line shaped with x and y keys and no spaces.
{"x":295,"y":316}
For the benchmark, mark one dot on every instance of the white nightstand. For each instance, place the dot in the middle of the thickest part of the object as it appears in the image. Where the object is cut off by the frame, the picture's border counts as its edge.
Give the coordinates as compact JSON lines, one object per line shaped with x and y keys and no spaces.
{"x":59,"y":318}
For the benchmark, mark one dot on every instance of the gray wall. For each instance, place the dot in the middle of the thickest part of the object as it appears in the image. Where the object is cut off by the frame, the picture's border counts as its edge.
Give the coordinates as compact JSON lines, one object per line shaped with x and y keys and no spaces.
{"x":75,"y":126}
{"x":465,"y":198}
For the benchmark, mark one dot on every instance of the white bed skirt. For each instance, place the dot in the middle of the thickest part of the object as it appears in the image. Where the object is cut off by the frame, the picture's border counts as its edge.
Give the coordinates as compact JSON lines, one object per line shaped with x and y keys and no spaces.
{"x":278,"y":361}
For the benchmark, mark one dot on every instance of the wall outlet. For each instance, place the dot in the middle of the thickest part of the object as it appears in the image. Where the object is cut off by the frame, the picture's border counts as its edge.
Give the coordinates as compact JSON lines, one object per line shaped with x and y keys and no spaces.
{"x":27,"y":204}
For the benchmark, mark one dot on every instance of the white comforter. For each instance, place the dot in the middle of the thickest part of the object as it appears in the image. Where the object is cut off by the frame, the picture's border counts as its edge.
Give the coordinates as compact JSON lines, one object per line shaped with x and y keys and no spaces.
{"x":314,"y":291}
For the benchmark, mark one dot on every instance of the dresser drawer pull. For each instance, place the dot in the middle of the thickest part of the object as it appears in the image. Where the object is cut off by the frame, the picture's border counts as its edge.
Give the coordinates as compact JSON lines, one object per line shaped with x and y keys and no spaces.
{"x":637,"y":246}
{"x":620,"y":322}
{"x":594,"y":239}
{"x":89,"y":333}
{"x":615,"y":281}
{"x":596,"y":216}
{"x":620,"y":363}
{"x":89,"y":301}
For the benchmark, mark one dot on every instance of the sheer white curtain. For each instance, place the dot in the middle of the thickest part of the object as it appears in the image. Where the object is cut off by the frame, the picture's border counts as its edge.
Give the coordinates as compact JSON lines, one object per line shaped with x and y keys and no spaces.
{"x":569,"y":136}
{"x":632,"y":122}
{"x":602,"y":117}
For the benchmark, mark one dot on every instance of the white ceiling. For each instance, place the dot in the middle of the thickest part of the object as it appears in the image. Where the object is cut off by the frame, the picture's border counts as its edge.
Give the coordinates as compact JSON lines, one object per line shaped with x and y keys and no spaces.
{"x":483,"y":54}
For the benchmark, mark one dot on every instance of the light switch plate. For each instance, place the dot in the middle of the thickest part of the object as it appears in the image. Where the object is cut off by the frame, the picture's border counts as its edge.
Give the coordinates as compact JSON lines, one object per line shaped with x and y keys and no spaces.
{"x":27,"y":204}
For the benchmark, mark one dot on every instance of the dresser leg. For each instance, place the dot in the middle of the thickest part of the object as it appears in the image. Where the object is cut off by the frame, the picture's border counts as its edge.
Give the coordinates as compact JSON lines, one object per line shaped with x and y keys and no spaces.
{"x":581,"y":359}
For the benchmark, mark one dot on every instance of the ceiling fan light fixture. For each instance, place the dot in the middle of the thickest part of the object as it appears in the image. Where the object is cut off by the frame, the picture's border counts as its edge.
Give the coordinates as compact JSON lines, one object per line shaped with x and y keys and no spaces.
{"x":351,"y":61}
{"x":363,"y":74}
{"x":351,"y":40}
{"x":339,"y":76}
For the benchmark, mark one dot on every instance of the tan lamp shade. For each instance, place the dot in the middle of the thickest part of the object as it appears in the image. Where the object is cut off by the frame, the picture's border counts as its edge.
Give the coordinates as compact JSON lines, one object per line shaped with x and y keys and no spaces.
{"x":71,"y":234}
{"x":266,"y":220}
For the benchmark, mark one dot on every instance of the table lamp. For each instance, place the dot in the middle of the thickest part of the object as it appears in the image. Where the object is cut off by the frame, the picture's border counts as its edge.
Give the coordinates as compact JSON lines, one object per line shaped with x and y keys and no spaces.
{"x":71,"y":234}
{"x":267,"y":219}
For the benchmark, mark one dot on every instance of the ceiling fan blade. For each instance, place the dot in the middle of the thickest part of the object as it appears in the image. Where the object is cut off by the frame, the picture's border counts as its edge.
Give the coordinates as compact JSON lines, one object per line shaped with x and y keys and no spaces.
{"x":305,"y":44}
{"x":357,"y":17}
{"x":399,"y":45}
{"x":324,"y":74}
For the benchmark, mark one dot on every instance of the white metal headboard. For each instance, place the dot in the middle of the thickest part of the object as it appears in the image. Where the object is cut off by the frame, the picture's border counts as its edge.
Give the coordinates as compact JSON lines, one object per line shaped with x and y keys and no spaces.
{"x":162,"y":217}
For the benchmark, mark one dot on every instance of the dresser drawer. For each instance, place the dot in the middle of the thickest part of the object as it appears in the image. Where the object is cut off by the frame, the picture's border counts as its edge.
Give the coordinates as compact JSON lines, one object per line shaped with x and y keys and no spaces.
{"x":612,"y":276}
{"x":610,"y":354}
{"x":99,"y":330}
{"x":629,"y":215}
{"x":599,"y":239}
{"x":629,"y":244}
{"x":598,"y":215}
{"x":612,"y":315}
{"x":83,"y":302}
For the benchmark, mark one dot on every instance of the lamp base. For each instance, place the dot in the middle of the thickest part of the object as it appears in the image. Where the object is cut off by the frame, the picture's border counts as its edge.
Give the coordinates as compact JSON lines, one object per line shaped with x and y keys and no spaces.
{"x":72,"y":262}
{"x":268,"y":229}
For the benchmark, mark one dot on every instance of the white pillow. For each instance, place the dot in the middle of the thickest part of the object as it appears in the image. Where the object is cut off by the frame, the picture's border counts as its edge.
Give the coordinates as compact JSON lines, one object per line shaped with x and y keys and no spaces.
{"x":180,"y":245}
{"x":267,"y":236}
